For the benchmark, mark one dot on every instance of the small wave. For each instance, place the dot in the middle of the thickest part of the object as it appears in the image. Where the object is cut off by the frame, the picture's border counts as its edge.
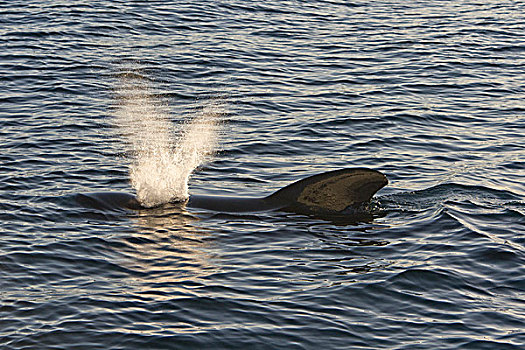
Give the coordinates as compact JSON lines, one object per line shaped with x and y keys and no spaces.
{"x":443,"y":193}
{"x":476,"y":211}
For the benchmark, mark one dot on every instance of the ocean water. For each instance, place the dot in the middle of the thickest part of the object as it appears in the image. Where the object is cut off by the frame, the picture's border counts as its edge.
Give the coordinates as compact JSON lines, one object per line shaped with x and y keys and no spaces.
{"x":240,"y":98}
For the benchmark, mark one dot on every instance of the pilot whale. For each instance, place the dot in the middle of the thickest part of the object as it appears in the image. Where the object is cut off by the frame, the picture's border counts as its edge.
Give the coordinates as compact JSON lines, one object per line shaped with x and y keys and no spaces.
{"x":337,"y":191}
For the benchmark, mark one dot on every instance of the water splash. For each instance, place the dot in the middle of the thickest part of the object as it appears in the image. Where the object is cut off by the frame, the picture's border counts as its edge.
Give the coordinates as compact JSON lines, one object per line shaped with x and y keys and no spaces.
{"x":163,"y":154}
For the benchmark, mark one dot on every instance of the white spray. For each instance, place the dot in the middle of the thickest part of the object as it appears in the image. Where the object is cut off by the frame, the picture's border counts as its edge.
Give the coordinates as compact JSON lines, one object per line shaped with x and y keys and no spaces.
{"x":162,"y":160}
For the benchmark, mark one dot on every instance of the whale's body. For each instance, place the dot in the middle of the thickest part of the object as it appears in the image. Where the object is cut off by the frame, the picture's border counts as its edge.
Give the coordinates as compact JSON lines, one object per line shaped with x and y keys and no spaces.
{"x":337,"y":191}
{"x":333,"y":191}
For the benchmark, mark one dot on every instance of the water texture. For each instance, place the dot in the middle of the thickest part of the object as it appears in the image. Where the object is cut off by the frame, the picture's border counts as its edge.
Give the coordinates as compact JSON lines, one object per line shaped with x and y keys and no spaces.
{"x":258,"y":95}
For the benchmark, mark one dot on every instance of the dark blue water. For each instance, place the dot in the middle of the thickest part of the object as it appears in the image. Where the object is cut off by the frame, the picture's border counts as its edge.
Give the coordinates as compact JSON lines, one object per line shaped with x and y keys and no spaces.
{"x":431,"y":93}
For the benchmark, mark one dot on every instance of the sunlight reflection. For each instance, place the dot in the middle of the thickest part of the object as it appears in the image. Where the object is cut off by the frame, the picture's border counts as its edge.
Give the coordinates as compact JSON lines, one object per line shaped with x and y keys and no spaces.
{"x":170,"y":252}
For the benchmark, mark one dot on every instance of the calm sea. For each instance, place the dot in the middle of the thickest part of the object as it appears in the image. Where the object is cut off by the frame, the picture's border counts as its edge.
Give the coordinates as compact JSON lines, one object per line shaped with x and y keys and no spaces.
{"x":431,"y":93}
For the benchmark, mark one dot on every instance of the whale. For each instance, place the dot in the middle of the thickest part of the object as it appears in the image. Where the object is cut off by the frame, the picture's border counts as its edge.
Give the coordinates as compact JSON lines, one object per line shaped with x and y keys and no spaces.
{"x":342,"y":191}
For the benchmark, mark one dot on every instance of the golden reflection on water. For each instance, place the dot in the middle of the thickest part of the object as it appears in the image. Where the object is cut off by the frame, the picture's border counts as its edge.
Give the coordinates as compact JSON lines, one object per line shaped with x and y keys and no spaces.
{"x":170,"y":250}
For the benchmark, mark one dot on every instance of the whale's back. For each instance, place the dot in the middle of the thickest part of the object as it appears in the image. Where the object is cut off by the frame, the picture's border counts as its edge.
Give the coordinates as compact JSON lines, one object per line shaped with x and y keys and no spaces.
{"x":330,"y":192}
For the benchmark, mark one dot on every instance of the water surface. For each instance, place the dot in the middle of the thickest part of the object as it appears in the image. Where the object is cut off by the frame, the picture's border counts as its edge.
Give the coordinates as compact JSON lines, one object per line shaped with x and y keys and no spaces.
{"x":430,"y":93}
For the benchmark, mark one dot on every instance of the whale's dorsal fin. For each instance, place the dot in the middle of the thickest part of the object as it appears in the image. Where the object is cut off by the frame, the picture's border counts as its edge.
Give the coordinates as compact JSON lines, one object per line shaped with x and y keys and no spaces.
{"x":332,"y":191}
